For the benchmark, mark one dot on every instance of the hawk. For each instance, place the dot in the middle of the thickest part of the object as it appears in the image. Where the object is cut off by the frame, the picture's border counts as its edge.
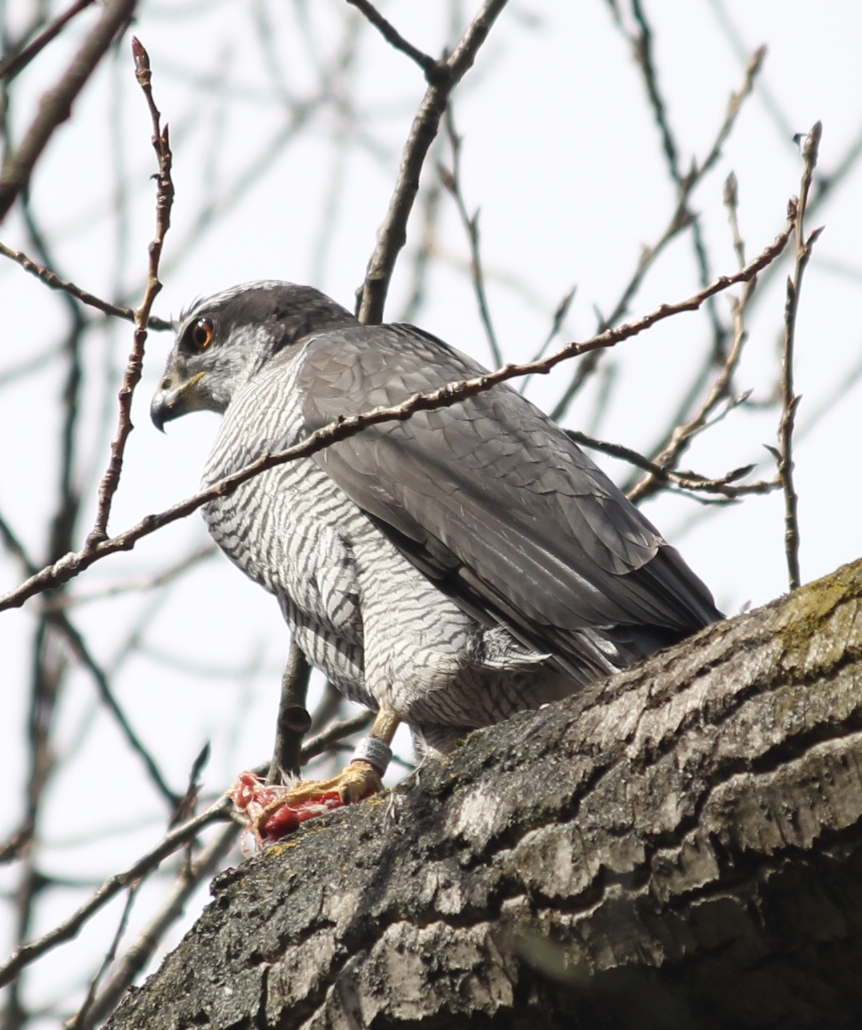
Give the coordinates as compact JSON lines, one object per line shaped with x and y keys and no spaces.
{"x":446,"y":570}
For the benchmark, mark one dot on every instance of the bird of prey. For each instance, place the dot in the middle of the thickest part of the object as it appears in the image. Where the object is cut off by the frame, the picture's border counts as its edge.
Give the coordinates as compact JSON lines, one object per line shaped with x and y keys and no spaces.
{"x":446,"y":570}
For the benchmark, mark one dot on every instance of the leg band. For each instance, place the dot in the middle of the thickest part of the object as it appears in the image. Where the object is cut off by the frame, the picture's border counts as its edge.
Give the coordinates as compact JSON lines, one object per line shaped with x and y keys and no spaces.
{"x":375,"y":751}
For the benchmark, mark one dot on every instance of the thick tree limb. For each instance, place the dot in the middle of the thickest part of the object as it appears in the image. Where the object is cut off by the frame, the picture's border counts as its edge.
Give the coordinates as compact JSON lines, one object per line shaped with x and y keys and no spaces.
{"x":681,"y":846}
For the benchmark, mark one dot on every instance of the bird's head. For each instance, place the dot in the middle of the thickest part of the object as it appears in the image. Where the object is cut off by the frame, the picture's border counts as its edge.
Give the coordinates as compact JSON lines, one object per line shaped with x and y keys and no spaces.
{"x":223,"y":341}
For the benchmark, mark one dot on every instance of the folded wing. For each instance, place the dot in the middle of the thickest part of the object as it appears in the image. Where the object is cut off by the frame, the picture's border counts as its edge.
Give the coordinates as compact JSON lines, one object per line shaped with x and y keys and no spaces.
{"x":489,"y":498}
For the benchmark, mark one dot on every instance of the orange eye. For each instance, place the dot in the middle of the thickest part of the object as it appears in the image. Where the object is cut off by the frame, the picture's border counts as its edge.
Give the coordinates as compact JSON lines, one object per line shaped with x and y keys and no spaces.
{"x":202,"y":334}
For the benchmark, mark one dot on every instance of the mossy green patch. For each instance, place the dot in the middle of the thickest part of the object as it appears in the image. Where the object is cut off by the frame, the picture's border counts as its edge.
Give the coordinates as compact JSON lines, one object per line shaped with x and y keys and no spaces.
{"x":821,"y":623}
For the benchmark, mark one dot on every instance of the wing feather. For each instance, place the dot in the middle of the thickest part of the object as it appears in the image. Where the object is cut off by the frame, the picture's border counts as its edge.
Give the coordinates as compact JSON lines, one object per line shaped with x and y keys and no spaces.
{"x":491,"y":499}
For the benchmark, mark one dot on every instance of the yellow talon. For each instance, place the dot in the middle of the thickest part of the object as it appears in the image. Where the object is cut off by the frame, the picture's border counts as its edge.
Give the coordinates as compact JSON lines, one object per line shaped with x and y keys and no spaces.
{"x":355,"y":781}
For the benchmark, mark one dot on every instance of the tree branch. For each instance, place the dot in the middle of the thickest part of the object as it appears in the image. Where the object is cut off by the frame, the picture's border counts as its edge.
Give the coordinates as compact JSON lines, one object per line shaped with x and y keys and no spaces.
{"x":392,"y":234}
{"x":789,"y":400}
{"x":434,"y":70}
{"x":16,"y":63}
{"x":132,"y":376}
{"x":51,"y":279}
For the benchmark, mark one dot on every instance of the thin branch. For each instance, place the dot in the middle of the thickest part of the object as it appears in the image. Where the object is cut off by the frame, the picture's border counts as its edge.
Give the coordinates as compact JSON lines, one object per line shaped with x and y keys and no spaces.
{"x":433,"y":70}
{"x":59,"y":621}
{"x":682,"y":434}
{"x":171,"y":842}
{"x":739,"y":47}
{"x":731,"y":202}
{"x":144,"y":585}
{"x":685,"y":480}
{"x":679,"y":221}
{"x":452,"y":183}
{"x":642,"y":45}
{"x":15,"y":547}
{"x":18,"y":843}
{"x":132,"y":376}
{"x":325,"y":740}
{"x":75,"y":562}
{"x":642,"y":48}
{"x":789,"y":400}
{"x":16,"y":63}
{"x":56,"y":104}
{"x":430,"y":213}
{"x":51,"y":279}
{"x":392,"y":234}
{"x":77,"y":1021}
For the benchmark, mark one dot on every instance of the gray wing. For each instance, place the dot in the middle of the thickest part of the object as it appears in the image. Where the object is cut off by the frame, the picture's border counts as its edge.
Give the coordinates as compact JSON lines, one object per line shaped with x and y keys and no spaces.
{"x":492,"y":500}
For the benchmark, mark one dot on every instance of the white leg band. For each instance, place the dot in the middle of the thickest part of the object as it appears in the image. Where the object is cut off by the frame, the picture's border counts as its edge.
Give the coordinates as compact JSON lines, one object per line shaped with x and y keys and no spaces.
{"x":375,"y":751}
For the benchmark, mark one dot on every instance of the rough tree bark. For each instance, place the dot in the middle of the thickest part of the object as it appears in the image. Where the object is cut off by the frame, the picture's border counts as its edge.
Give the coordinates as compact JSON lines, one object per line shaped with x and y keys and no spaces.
{"x":680,"y":847}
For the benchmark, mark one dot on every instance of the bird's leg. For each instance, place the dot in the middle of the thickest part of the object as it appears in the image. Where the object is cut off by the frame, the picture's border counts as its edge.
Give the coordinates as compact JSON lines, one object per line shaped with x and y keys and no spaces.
{"x":273,"y":810}
{"x":362,"y":776}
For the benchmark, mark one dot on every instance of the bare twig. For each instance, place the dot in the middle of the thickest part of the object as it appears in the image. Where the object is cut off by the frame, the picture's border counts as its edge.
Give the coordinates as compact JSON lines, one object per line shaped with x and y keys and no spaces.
{"x":642,"y":49}
{"x":392,"y":234}
{"x":55,"y":615}
{"x":80,"y":650}
{"x":433,"y":70}
{"x":56,"y":104}
{"x":16,"y":63}
{"x":789,"y":400}
{"x":27,"y":953}
{"x":686,"y":480}
{"x":683,"y":433}
{"x":132,"y":376}
{"x":51,"y":279}
{"x":77,"y":1021}
{"x":430,"y":212}
{"x":559,"y":317}
{"x":452,"y":182}
{"x":336,"y":731}
{"x":18,"y":843}
{"x":740,"y":48}
{"x":74,"y":562}
{"x":679,"y":221}
{"x":731,"y":202}
{"x":642,"y":45}
{"x":145,"y":584}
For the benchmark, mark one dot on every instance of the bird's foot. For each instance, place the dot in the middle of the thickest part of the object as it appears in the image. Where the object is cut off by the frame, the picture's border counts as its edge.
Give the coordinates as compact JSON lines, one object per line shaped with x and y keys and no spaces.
{"x":274,"y":811}
{"x":356,"y":781}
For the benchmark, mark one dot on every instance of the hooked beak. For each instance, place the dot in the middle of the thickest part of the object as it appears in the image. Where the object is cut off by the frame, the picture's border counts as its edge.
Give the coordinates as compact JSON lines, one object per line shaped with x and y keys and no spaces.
{"x":173,"y":399}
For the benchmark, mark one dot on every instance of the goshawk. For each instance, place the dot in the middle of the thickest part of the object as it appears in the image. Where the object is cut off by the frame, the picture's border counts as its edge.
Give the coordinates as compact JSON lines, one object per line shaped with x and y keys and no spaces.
{"x":446,"y":570}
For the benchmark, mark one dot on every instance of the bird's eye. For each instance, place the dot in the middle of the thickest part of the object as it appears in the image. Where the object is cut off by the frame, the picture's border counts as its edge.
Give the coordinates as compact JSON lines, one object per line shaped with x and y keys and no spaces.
{"x":202,"y":334}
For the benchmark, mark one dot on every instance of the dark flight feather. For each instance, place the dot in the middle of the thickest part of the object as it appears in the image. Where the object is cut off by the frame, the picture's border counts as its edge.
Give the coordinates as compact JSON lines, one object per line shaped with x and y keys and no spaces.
{"x":492,"y":500}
